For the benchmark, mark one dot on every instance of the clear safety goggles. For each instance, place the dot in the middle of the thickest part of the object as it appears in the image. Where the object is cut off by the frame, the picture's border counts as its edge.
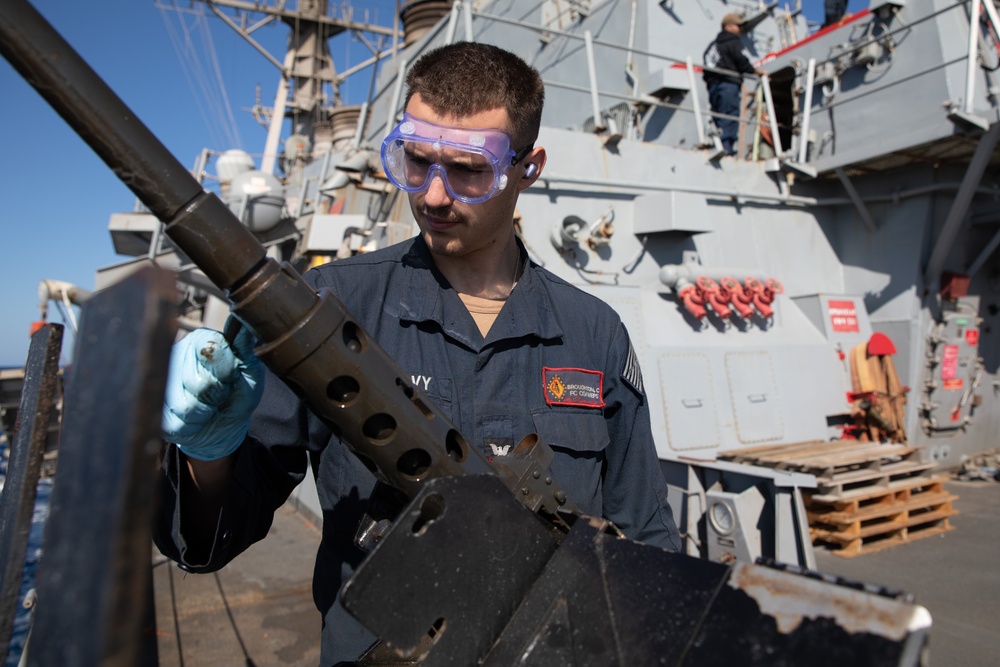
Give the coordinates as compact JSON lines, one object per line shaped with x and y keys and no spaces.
{"x":472,"y":164}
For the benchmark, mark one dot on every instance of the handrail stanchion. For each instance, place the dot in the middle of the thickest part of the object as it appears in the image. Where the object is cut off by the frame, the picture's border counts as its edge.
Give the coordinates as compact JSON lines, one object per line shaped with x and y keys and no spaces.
{"x":696,"y":103}
{"x":397,"y":93}
{"x":467,"y":15}
{"x":807,"y":111}
{"x":766,"y":81}
{"x":758,"y":97}
{"x":449,"y":35}
{"x":970,"y":76}
{"x":270,"y":157}
{"x":595,"y":99}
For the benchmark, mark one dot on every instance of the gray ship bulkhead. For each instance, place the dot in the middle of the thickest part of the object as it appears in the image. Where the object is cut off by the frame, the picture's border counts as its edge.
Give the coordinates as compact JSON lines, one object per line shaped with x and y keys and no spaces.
{"x":873,"y":212}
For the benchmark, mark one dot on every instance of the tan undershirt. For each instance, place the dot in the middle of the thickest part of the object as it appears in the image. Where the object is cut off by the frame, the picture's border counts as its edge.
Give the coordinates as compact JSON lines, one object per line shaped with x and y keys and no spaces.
{"x":483,"y":311}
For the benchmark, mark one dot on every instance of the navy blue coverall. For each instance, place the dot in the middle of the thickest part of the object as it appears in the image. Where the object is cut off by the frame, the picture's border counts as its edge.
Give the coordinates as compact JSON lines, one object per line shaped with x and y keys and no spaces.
{"x":725,"y":52}
{"x":495,"y":392}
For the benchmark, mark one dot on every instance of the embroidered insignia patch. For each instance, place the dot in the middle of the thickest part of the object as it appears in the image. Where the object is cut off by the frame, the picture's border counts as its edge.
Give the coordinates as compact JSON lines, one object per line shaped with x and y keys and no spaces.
{"x":573,"y":386}
{"x":497,"y":447}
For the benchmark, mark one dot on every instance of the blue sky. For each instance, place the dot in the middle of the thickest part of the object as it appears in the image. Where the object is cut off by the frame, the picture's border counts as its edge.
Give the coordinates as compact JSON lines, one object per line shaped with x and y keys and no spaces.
{"x":57,"y":195}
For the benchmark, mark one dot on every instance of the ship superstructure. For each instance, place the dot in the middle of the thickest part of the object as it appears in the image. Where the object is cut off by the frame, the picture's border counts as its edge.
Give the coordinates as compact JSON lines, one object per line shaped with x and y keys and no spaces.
{"x":860,"y":208}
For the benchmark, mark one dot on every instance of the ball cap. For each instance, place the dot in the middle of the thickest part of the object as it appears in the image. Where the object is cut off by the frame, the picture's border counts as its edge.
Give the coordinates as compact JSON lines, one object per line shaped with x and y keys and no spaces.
{"x":732,"y":19}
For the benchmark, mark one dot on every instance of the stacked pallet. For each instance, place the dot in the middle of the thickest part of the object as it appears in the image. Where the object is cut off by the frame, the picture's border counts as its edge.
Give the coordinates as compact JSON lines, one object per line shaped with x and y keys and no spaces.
{"x":868,"y":496}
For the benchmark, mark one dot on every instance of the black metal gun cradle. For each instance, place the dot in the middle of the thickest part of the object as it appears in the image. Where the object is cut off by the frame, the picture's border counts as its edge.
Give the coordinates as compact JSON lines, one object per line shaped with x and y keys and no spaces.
{"x":577,"y":592}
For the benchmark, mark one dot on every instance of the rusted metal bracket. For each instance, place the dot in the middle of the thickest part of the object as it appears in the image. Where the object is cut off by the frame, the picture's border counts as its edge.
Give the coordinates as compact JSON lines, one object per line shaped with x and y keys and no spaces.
{"x":93,"y":579}
{"x":38,"y":398}
{"x":510,"y":596}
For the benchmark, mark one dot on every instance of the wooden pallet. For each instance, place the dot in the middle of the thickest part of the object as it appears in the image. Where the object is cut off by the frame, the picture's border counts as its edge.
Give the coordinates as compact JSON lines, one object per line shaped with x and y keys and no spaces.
{"x":840,"y":465}
{"x":868,"y":496}
{"x":866,"y":521}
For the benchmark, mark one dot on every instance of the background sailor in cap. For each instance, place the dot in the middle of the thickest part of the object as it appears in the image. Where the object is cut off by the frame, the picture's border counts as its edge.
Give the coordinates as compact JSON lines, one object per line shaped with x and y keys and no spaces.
{"x":725,"y":65}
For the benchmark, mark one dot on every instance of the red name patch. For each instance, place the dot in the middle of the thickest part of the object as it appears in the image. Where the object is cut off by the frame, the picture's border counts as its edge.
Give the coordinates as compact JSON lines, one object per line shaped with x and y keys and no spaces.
{"x":573,"y":386}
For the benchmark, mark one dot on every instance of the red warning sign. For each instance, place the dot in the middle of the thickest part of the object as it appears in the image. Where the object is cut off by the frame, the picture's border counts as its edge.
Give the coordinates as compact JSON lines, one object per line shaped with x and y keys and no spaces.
{"x":949,"y":363}
{"x":972,"y":337}
{"x":843,"y":316}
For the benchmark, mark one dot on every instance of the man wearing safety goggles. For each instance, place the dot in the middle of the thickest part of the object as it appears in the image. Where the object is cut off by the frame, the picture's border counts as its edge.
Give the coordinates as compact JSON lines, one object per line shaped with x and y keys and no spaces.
{"x":502,"y":346}
{"x":463,"y":176}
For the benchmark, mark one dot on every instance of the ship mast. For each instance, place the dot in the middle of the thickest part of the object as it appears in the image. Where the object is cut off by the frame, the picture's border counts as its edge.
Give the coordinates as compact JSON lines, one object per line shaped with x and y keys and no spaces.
{"x":307,"y":68}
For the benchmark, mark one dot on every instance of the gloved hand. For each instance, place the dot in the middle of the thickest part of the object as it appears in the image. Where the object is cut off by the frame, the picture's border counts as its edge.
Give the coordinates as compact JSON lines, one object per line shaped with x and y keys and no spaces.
{"x":212,"y":389}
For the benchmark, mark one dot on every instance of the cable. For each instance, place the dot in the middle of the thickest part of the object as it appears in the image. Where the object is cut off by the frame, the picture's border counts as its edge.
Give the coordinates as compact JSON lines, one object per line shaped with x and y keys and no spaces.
{"x":232,"y":621}
{"x":211,"y":96}
{"x":173,"y":610}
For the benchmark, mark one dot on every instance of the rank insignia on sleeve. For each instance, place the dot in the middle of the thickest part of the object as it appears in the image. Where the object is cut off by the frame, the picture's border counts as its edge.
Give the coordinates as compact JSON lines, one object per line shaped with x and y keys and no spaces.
{"x":573,"y":386}
{"x":631,"y":373}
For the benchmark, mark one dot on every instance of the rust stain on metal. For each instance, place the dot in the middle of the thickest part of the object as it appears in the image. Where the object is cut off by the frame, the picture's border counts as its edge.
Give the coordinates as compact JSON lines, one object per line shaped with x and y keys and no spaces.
{"x":790,"y":600}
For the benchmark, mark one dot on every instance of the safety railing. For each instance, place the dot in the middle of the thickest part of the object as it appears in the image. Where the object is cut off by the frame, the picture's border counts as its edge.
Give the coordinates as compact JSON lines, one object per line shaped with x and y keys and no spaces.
{"x":463,"y":13}
{"x":880,"y":39}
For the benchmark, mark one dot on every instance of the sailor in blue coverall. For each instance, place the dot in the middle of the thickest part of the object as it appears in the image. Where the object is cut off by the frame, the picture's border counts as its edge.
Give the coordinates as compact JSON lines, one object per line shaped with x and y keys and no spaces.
{"x":504,"y":347}
{"x":726,"y":53}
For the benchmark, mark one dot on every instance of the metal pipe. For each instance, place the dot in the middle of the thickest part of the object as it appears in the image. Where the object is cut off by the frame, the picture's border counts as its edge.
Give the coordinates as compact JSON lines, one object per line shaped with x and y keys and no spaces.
{"x":467,"y":15}
{"x":397,"y":92}
{"x":358,"y":132}
{"x":695,"y":103}
{"x":270,"y":156}
{"x":303,"y":188}
{"x":395,"y":32}
{"x":548,"y":178}
{"x":806,"y":111}
{"x":971,"y":63}
{"x":595,"y":99}
{"x":766,"y":82}
{"x":449,"y":35}
{"x":629,"y":65}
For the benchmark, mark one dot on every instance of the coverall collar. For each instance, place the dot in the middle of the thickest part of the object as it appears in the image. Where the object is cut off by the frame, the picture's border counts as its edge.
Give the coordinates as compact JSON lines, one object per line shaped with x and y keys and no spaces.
{"x":427,"y":296}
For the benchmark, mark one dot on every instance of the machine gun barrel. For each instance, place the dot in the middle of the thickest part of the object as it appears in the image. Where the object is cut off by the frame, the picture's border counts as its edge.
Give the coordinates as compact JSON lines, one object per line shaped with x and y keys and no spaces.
{"x":307,"y":338}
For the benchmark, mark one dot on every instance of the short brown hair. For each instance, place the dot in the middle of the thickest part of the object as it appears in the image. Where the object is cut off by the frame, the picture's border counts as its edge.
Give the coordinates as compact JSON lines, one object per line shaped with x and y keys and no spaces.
{"x":465,"y":78}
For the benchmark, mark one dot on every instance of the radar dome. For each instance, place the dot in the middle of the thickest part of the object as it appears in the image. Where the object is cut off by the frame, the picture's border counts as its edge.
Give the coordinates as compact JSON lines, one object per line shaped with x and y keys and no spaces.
{"x":257,"y":200}
{"x":232,"y":163}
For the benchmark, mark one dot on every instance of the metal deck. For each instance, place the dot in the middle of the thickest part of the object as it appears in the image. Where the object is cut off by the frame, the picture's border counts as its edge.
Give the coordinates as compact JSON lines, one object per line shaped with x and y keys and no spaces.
{"x":259,"y":609}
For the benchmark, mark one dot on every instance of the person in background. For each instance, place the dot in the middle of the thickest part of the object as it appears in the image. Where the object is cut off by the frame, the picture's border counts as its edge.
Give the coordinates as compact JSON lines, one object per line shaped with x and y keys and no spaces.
{"x":834,"y":10}
{"x":726,"y":53}
{"x":491,"y":337}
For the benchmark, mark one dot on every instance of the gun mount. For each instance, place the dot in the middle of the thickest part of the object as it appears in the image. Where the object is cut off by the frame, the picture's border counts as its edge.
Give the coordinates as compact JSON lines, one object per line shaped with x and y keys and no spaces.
{"x":543,"y":606}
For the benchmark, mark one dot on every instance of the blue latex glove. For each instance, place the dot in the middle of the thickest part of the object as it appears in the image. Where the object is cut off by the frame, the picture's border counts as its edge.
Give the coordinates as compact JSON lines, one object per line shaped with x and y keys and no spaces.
{"x":212,"y":389}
